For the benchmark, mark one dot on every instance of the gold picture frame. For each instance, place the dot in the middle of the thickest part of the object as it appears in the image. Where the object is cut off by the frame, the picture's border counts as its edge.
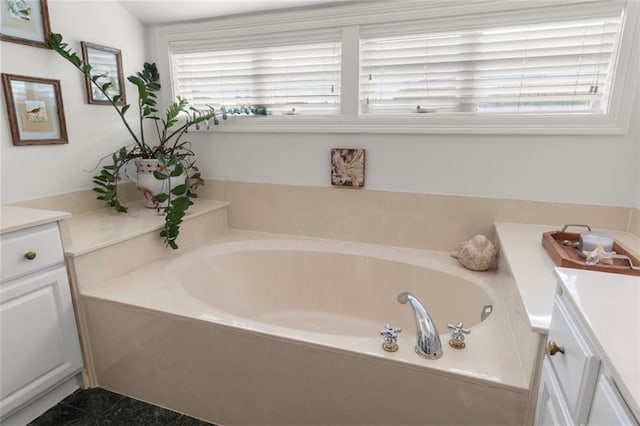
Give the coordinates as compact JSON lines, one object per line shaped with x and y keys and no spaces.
{"x":25,"y":22}
{"x":35,"y":110}
{"x":107,"y":63}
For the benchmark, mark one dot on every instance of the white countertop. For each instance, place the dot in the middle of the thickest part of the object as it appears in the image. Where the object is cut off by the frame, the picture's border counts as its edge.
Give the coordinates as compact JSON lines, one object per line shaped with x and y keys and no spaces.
{"x":609,"y":307}
{"x":15,"y":218}
{"x":100,"y":228}
{"x":532,"y":268}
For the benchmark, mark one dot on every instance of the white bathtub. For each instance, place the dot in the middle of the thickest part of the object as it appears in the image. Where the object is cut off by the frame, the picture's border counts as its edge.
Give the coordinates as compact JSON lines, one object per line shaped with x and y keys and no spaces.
{"x":249,"y":313}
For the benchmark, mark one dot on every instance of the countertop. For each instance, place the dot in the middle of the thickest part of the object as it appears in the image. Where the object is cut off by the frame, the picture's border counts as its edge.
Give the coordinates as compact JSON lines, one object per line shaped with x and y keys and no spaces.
{"x":609,"y":307}
{"x":100,"y":228}
{"x":16,"y":218}
{"x":533,"y":269}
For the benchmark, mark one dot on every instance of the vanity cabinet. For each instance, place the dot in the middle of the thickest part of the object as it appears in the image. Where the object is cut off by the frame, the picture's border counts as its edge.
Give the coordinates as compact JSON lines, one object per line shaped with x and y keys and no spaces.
{"x":575,"y":386}
{"x":38,"y":336}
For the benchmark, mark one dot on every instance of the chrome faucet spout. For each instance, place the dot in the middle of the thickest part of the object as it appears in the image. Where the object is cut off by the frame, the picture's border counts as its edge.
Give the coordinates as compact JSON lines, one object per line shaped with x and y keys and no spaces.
{"x":428,"y":343}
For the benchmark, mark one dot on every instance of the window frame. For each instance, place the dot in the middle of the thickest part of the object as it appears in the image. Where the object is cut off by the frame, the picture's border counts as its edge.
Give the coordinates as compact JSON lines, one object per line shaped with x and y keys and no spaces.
{"x":441,"y":14}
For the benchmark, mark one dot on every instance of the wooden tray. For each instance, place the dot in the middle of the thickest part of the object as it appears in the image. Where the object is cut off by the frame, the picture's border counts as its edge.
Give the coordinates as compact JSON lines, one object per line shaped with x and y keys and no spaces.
{"x":568,"y":257}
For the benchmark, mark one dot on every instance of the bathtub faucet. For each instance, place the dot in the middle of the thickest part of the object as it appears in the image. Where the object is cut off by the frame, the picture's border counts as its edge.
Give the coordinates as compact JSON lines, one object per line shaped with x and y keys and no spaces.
{"x":428,"y":340}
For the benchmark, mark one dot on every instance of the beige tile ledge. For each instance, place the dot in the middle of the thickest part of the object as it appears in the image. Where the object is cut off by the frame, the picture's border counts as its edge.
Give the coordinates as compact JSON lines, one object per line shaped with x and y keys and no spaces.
{"x":532,"y":268}
{"x":634,"y":222}
{"x":81,"y":201}
{"x":97,"y":229}
{"x":16,"y":218}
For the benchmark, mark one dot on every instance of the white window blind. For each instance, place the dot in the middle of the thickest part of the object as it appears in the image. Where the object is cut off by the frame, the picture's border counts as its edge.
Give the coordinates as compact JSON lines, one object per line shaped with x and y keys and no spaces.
{"x":287,"y":77}
{"x":560,"y":67}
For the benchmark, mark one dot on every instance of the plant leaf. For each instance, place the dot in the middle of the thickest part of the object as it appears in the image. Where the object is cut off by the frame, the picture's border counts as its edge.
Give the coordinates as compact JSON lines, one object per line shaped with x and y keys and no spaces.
{"x":161,"y":198}
{"x":160,"y":176}
{"x":178,"y":171}
{"x":179,"y":190}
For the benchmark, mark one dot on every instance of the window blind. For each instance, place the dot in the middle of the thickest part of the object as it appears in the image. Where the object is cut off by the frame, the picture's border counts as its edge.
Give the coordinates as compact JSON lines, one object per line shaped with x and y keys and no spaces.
{"x":288,"y":78}
{"x":560,"y":67}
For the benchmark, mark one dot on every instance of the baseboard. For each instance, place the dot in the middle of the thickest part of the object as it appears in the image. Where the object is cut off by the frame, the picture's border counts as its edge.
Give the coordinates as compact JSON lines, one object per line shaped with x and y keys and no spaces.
{"x":26,"y":414}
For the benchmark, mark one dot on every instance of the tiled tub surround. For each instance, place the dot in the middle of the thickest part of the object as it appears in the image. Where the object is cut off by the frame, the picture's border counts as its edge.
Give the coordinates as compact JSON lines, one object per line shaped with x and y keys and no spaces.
{"x":634,"y":222}
{"x":426,"y":221}
{"x":214,"y":332}
{"x":403,"y":219}
{"x":102,"y":244}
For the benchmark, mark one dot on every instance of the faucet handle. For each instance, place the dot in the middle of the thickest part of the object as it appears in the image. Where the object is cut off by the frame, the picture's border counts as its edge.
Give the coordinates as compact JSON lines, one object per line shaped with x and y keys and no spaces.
{"x":458,"y":328}
{"x":390,"y":337}
{"x":457,"y":336}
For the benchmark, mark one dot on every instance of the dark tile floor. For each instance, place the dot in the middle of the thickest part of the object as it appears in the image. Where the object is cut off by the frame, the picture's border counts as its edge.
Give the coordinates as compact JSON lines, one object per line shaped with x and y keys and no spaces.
{"x":98,"y":407}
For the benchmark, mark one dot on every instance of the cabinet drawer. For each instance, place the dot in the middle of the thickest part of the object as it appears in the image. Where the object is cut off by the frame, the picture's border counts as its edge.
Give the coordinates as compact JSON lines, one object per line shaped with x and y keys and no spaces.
{"x":42,"y":241}
{"x":576,"y":368}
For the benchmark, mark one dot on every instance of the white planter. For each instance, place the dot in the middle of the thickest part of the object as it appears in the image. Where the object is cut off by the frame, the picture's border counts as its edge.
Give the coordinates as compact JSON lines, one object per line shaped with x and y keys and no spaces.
{"x":150,"y":186}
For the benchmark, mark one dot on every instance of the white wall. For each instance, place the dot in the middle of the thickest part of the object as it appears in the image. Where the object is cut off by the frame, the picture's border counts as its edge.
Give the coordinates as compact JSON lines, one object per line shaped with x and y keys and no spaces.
{"x":581,"y":169}
{"x":594,"y":169}
{"x":94,"y":130}
{"x":635,"y":126}
{"x":578,"y":169}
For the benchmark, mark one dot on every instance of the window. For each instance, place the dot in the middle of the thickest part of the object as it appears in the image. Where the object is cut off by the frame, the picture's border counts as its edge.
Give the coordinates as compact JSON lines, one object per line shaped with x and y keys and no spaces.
{"x":558,"y":68}
{"x":481,"y":67}
{"x":287,"y":78}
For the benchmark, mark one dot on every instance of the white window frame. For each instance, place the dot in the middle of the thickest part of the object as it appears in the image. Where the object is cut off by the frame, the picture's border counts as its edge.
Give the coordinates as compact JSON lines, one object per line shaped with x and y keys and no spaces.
{"x":440,"y":14}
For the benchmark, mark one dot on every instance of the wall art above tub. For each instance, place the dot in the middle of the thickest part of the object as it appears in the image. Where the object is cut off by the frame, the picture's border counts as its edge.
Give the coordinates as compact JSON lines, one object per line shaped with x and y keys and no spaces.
{"x":347,"y":167}
{"x":35,"y":110}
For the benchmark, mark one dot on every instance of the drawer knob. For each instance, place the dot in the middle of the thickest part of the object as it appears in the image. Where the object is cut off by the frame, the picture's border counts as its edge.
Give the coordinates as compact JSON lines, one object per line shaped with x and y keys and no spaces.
{"x":553,"y":348}
{"x":30,"y":255}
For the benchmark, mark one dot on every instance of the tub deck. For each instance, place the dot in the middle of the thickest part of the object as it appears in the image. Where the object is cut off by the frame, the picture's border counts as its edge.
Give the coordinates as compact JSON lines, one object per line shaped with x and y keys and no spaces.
{"x":491,"y":356}
{"x":145,"y":336}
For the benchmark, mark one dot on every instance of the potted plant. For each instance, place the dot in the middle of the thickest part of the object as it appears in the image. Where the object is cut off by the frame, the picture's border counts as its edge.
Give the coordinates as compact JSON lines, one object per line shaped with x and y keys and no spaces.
{"x":166,"y":170}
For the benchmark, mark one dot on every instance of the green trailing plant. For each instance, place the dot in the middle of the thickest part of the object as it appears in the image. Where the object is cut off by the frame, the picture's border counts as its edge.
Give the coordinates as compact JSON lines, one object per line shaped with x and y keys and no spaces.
{"x":174,"y":155}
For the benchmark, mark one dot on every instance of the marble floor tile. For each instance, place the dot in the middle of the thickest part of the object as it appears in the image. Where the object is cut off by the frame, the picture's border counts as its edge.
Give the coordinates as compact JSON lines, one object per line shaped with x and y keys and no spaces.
{"x":100,"y":407}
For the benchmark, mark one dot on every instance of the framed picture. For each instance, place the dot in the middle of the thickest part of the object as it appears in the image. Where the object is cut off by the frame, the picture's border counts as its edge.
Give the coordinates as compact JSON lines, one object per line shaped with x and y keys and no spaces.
{"x":106,"y":62}
{"x":25,"y":21}
{"x":34,"y":107}
{"x":347,"y":167}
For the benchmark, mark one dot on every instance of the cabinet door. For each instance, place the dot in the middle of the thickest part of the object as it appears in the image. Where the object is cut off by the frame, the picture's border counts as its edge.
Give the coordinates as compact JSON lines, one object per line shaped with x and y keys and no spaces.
{"x":551,"y":409}
{"x":608,"y":408}
{"x":38,"y":336}
{"x":577,"y":368}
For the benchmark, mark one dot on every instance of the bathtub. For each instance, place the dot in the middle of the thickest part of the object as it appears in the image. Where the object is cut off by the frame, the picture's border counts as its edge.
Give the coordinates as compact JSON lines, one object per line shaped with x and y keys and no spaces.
{"x":267,"y":329}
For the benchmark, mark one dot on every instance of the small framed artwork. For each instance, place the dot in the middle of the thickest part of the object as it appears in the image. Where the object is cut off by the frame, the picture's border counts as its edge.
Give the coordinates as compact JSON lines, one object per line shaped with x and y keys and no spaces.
{"x":25,"y":21}
{"x":106,"y":62}
{"x":34,"y":107}
{"x":347,"y":167}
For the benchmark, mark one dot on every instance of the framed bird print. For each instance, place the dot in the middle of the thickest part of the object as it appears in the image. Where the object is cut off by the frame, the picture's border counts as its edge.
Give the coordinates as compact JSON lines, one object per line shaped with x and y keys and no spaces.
{"x":25,"y":22}
{"x":35,"y":110}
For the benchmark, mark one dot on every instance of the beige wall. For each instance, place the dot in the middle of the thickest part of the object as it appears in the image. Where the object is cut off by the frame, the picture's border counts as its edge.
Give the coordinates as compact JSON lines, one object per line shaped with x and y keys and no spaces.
{"x":426,"y":221}
{"x":634,"y":222}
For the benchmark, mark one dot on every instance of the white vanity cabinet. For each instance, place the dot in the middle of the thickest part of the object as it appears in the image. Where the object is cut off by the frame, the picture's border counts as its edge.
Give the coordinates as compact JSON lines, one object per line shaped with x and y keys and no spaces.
{"x":576,"y":386}
{"x":38,"y":336}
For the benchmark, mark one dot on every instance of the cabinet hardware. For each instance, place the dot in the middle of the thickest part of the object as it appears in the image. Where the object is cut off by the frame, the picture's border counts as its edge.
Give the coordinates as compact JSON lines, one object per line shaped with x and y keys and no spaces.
{"x":553,"y":348}
{"x":30,"y":255}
